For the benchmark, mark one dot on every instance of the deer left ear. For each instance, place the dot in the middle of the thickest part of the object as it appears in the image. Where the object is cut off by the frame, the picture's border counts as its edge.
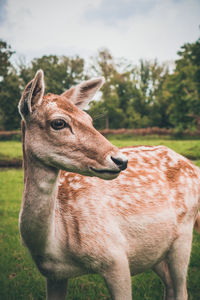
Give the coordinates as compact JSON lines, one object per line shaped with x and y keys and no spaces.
{"x":32,"y":94}
{"x":83,"y":93}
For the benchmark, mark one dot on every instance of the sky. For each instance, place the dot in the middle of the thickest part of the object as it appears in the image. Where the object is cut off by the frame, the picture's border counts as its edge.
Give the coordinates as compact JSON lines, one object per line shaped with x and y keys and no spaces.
{"x":132,"y":29}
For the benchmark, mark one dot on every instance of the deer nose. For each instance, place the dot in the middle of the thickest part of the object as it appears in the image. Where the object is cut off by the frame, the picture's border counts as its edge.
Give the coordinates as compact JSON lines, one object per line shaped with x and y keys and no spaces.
{"x":121,"y":163}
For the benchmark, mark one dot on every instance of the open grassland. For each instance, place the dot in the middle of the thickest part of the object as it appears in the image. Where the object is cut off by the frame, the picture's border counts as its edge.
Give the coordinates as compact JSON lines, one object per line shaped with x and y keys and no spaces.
{"x":19,"y":278}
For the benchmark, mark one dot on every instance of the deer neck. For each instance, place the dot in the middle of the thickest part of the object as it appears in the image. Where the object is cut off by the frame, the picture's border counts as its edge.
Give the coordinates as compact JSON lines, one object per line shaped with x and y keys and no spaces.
{"x":38,"y":205}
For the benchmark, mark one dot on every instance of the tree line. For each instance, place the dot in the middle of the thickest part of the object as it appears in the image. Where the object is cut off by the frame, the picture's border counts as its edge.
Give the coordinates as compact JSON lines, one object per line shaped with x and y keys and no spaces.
{"x":148,"y":94}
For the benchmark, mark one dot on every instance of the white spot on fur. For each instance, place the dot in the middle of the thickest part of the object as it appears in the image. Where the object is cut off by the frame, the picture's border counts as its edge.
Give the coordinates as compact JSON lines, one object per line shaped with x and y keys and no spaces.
{"x":136,"y":182}
{"x":151,"y":177}
{"x":182,"y":179}
{"x":75,"y":185}
{"x":150,"y":192}
{"x":61,"y":181}
{"x":52,"y":105}
{"x":153,"y":161}
{"x":143,"y":178}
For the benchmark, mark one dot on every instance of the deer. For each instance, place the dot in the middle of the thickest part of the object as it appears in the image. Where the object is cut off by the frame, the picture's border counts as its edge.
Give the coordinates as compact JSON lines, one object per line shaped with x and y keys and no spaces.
{"x":89,"y":207}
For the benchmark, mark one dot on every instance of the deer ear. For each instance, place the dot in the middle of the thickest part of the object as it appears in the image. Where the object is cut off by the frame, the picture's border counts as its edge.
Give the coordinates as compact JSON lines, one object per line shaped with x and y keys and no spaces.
{"x":84,"y":92}
{"x":32,"y":94}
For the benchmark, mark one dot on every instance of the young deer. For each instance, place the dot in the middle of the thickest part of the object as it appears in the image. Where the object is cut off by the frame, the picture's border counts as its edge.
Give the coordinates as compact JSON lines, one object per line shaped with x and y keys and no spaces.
{"x":75,"y":222}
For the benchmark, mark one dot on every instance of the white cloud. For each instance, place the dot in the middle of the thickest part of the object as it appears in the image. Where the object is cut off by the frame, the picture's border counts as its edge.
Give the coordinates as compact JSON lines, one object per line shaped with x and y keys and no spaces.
{"x":114,"y":10}
{"x":67,"y":27}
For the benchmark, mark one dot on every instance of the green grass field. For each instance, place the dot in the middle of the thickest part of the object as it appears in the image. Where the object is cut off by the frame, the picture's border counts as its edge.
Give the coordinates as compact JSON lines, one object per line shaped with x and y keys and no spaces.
{"x":10,"y":149}
{"x":19,"y":278}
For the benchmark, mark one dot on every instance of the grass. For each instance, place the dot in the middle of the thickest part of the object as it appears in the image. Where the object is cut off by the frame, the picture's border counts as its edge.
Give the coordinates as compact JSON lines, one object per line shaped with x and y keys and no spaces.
{"x":19,"y":278}
{"x":10,"y":149}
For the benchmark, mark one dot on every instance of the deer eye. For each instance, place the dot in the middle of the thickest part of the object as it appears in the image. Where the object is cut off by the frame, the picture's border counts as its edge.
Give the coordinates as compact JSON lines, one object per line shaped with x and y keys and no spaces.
{"x":58,"y":124}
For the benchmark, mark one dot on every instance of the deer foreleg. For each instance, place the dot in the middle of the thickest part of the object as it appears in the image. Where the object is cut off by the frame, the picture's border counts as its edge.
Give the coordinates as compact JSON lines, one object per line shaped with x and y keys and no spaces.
{"x":178,"y":260}
{"x":118,"y":279}
{"x":56,"y":290}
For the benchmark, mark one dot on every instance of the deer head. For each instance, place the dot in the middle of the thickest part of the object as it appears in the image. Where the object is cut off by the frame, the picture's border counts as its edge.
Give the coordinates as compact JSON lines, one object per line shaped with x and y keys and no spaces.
{"x":60,"y":135}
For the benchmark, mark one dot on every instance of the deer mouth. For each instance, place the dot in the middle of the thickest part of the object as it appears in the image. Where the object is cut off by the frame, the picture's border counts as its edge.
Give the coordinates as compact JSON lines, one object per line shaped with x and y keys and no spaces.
{"x":105,"y":171}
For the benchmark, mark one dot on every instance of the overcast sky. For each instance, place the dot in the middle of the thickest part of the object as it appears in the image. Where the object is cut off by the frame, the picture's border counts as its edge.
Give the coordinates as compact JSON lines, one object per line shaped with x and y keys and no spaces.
{"x":132,"y":29}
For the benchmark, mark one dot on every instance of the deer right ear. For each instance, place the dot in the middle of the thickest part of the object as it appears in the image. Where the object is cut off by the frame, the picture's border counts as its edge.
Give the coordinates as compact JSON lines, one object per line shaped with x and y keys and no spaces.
{"x":32,"y":94}
{"x":82,"y":94}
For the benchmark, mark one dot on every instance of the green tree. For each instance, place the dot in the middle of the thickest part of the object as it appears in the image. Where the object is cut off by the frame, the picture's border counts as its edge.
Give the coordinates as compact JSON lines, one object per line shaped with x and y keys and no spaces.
{"x":60,"y":72}
{"x":5,"y":54}
{"x":132,"y":96}
{"x":114,"y":110}
{"x":9,"y":98}
{"x":129,"y":97}
{"x":9,"y":90}
{"x":106,"y":113}
{"x":152,"y":105}
{"x":184,"y":88}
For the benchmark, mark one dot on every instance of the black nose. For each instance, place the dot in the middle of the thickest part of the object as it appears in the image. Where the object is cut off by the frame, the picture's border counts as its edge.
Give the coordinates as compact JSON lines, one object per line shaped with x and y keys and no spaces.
{"x":122,"y":164}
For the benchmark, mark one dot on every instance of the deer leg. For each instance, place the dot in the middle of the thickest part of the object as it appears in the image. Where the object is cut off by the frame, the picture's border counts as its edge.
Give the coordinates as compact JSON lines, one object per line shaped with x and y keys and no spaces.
{"x":162,"y":271}
{"x":178,"y":260}
{"x":56,"y":290}
{"x":118,"y":279}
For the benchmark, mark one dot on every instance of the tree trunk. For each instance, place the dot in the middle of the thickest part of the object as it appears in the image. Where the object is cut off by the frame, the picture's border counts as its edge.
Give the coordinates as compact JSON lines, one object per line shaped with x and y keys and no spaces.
{"x":107,"y":122}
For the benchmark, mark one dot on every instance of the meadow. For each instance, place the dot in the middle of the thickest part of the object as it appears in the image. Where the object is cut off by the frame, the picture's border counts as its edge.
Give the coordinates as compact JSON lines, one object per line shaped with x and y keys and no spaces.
{"x":19,"y":278}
